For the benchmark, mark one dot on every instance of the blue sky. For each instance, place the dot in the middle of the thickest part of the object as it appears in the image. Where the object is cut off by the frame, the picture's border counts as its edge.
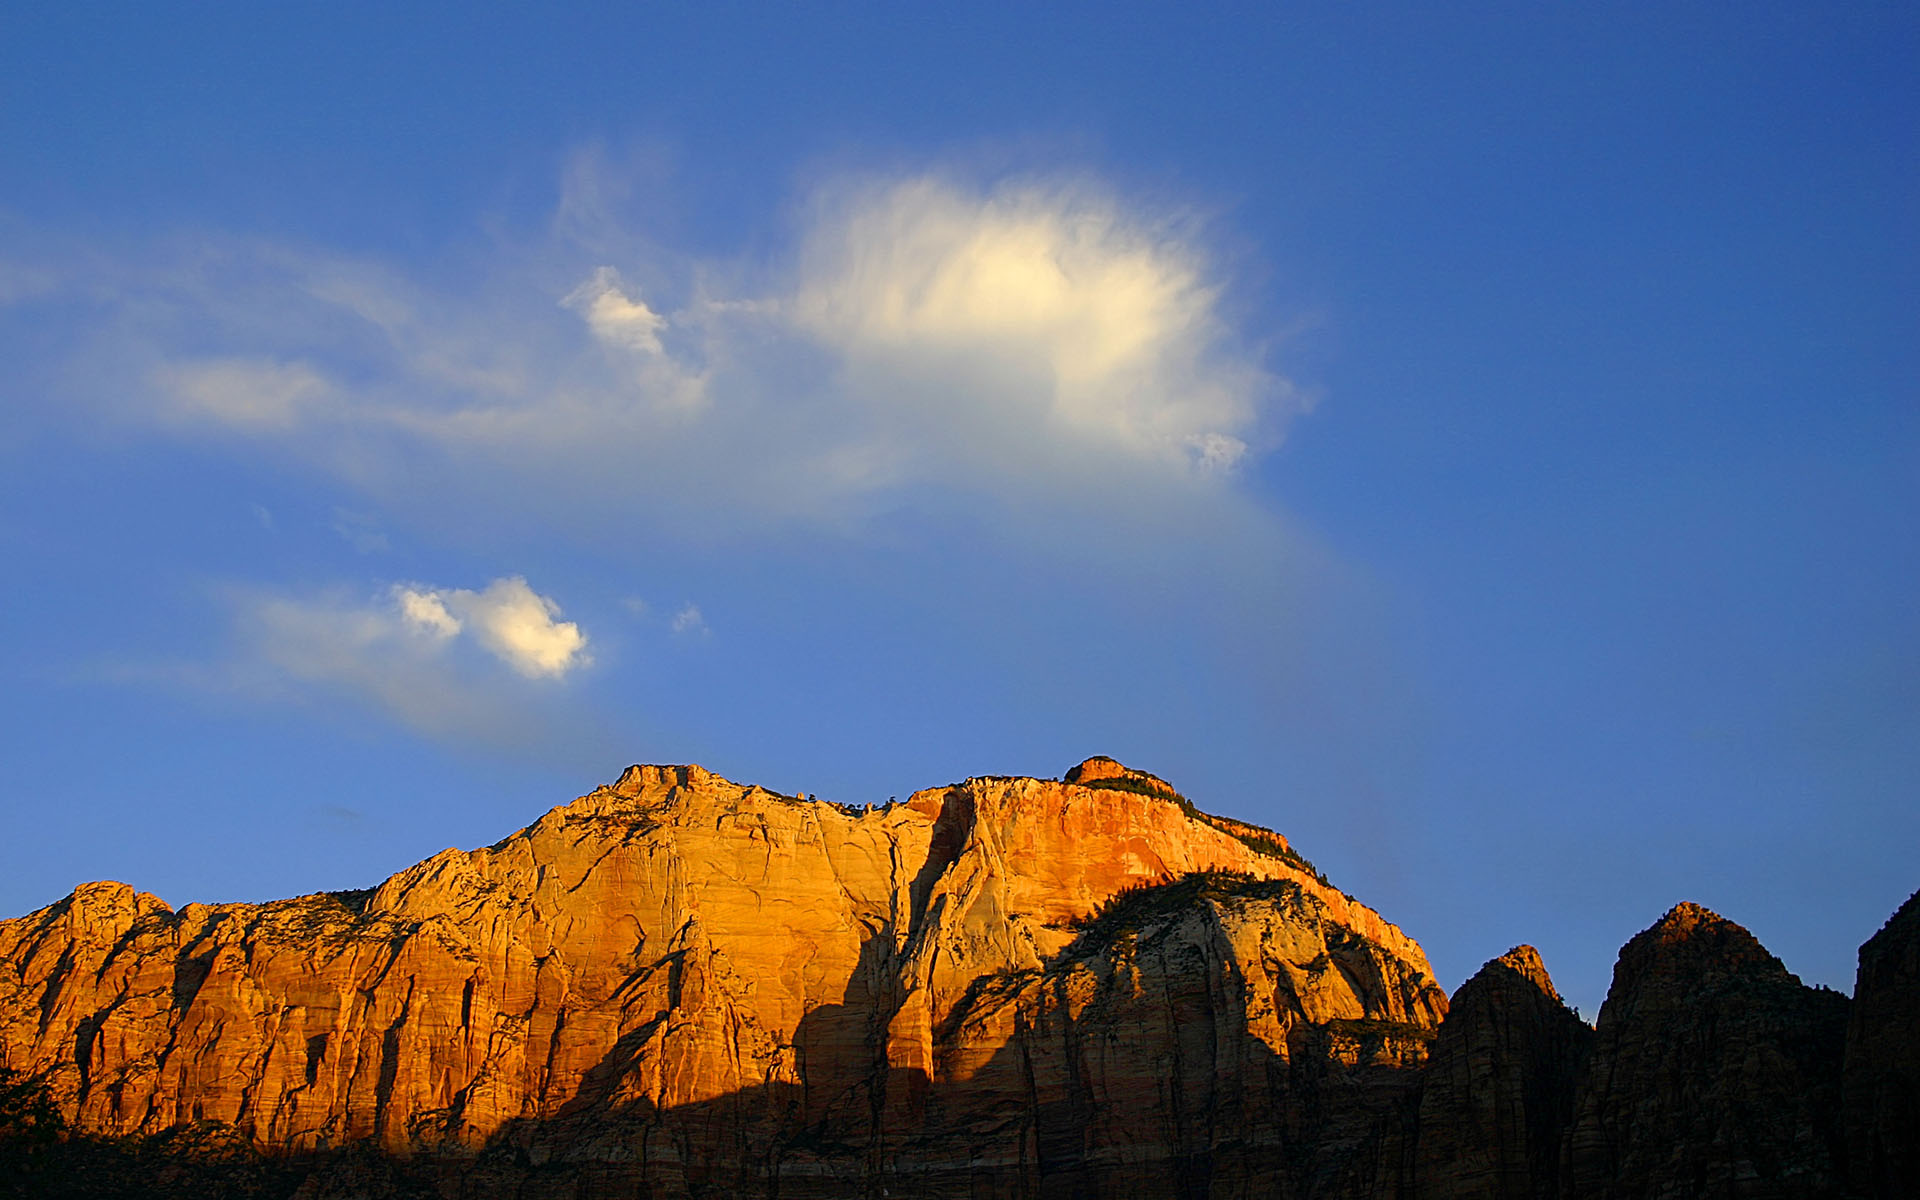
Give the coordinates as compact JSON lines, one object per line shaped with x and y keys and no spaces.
{"x":1482,"y":445}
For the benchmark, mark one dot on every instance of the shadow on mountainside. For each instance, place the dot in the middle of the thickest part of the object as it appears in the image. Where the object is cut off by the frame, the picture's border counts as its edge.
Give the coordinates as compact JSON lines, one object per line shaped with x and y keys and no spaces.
{"x":1125,"y":1067}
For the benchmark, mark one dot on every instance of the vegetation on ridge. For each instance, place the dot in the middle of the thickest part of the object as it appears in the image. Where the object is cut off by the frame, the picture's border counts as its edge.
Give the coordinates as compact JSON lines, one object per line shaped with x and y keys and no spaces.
{"x":1130,"y":909}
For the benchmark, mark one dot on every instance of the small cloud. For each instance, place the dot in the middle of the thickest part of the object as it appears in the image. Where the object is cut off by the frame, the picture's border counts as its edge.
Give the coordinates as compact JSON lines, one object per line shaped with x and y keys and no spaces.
{"x":636,"y":606}
{"x":262,"y":514}
{"x":361,"y":531}
{"x":517,"y":625}
{"x":409,"y":651}
{"x":614,"y":316}
{"x":331,"y":639}
{"x":689,"y":623}
{"x":622,"y":321}
{"x":426,"y":612}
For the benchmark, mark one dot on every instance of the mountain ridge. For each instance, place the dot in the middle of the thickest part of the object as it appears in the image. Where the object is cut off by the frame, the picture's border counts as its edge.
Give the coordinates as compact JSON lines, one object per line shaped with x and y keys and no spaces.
{"x":685,"y":986}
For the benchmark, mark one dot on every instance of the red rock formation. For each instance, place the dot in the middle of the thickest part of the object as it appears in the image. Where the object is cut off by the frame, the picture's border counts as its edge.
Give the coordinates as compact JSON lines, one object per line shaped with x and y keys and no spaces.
{"x":1009,"y":986}
{"x":1713,"y":1073}
{"x":1881,"y":1082}
{"x":1498,"y":1091}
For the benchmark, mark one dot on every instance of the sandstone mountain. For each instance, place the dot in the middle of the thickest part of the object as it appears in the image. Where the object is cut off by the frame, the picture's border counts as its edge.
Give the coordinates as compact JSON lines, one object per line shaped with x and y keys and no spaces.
{"x":1076,"y":987}
{"x":678,"y":986}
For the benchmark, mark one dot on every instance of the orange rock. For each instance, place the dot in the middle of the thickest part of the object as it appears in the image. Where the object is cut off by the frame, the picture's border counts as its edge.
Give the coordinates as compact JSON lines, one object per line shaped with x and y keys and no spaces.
{"x":715,"y":977}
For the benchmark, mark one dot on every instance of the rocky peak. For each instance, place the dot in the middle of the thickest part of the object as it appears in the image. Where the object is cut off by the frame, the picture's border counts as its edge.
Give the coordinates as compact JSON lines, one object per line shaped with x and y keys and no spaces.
{"x":1524,"y":961}
{"x":1499,"y":1089}
{"x":681,"y":986}
{"x":752,"y":977}
{"x":1711,"y":1065}
{"x":1100,"y":768}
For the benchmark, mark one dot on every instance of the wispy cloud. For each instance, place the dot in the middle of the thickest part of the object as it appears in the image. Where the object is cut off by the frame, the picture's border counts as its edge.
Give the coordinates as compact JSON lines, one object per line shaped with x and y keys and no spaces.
{"x":954,"y":375}
{"x":916,"y":333}
{"x":258,"y":395}
{"x":401,"y":649}
{"x":689,"y":622}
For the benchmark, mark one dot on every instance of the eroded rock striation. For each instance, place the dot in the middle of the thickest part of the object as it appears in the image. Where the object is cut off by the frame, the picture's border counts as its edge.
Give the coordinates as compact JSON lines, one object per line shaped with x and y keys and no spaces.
{"x":679,"y":985}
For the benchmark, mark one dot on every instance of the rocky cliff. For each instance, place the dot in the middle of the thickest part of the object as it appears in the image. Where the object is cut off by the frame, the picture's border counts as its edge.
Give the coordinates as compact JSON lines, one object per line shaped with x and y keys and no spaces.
{"x":1713,"y":1073}
{"x":678,"y":986}
{"x":1004,"y":987}
{"x":1882,"y":1070}
{"x":1499,"y":1090}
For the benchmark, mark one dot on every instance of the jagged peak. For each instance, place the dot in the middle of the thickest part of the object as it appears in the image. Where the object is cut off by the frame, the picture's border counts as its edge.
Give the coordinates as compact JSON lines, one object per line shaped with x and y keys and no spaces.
{"x":1688,"y":923}
{"x":641,"y":777}
{"x":1523,"y":960}
{"x":1686,"y":916}
{"x":1907,"y":914}
{"x":1102,"y":769}
{"x":1693,"y":941}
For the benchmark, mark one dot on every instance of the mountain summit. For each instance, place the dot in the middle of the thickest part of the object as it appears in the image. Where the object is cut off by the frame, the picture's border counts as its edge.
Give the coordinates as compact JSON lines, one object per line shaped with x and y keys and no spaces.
{"x":677,"y":976}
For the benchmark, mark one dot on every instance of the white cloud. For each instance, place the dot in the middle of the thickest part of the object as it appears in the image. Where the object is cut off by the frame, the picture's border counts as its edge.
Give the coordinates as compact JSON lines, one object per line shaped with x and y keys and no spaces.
{"x":427,"y":612}
{"x":614,"y":316}
{"x":1041,"y":339}
{"x":385,"y":646}
{"x":625,"y":323}
{"x":689,"y":622}
{"x":447,"y":662}
{"x":517,"y":625}
{"x":1110,"y":315}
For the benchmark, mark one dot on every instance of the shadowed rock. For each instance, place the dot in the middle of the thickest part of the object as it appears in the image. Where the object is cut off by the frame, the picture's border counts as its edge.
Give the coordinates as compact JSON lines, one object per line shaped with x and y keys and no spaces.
{"x":1499,"y":1087}
{"x":1882,"y":1074}
{"x":1713,"y":1073}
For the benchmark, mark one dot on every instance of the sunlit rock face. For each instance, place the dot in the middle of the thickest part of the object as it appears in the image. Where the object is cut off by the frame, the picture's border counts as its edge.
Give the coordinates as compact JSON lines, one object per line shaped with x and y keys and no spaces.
{"x":684,"y":986}
{"x":1713,"y":1073}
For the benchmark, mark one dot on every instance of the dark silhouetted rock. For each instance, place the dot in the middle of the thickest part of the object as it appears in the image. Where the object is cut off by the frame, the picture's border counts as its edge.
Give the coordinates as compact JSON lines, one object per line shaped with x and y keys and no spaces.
{"x":1714,"y":1073}
{"x":1882,"y":1075}
{"x":1499,"y":1087}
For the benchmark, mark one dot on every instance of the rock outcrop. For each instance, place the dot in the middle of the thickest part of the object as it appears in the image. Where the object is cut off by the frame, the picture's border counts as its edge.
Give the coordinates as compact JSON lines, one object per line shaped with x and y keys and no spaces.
{"x":1881,"y":1080}
{"x":1713,"y":1073}
{"x":679,"y":986}
{"x":686,"y":986}
{"x":1498,"y":1092}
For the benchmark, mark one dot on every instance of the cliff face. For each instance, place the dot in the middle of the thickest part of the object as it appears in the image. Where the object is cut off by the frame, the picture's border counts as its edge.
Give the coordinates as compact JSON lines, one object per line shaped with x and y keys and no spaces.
{"x":1009,"y":986}
{"x":678,"y":986}
{"x":1499,"y":1089}
{"x":1713,"y":1073}
{"x":1882,"y":1071}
